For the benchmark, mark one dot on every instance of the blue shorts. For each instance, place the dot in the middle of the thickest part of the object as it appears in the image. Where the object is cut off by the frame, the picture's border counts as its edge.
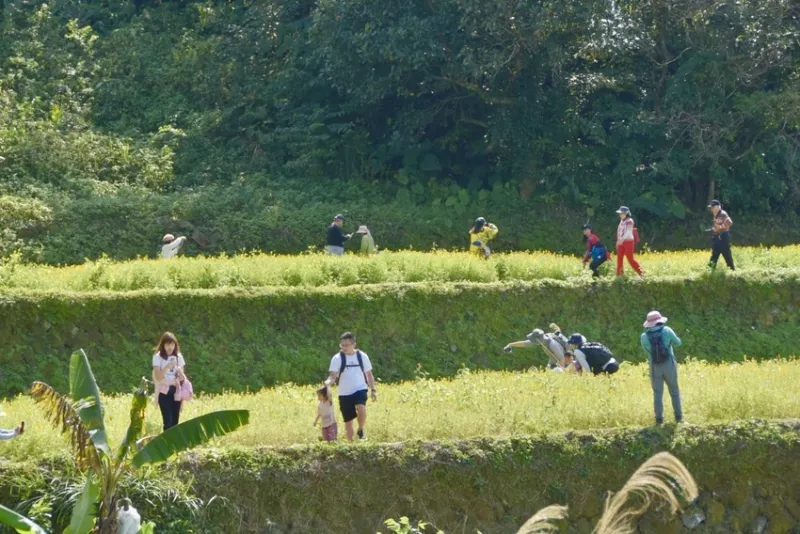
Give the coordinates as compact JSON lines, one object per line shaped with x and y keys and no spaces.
{"x":348,"y":403}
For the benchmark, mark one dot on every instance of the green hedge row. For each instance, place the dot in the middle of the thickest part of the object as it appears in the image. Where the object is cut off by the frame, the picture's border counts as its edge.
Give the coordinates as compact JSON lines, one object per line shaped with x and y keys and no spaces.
{"x":290,"y":220}
{"x":495,"y":485}
{"x":746,"y":471}
{"x":248,"y":339}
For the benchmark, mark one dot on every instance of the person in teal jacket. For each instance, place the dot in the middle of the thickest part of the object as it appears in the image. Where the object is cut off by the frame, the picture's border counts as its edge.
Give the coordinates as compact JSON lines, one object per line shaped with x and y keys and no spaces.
{"x":658,"y":341}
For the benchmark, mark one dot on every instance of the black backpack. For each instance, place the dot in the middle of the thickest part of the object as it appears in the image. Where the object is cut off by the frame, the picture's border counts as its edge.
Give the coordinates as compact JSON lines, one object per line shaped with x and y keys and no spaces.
{"x":343,"y":366}
{"x":597,"y":354}
{"x":658,"y":351}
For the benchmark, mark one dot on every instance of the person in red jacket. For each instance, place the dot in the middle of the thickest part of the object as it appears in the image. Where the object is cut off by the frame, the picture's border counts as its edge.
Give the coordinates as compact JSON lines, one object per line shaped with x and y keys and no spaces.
{"x":596,"y":253}
{"x":626,"y":242}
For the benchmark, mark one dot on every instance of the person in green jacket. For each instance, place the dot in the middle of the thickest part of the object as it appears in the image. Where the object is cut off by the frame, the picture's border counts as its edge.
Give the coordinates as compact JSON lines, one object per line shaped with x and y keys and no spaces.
{"x":367,"y":241}
{"x":658,"y":341}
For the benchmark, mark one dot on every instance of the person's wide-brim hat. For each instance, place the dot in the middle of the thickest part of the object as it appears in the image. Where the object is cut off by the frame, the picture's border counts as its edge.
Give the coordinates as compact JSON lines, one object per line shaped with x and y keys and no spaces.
{"x":537,"y":333}
{"x":362,"y":230}
{"x":169,"y":238}
{"x":654,"y":318}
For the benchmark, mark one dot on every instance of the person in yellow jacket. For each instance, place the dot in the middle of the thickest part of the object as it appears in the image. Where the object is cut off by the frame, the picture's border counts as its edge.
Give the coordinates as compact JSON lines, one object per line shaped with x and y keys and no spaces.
{"x":479,"y":236}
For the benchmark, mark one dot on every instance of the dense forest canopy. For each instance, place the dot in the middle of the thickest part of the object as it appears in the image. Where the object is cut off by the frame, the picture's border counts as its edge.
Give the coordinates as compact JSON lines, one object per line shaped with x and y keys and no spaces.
{"x":429,"y":104}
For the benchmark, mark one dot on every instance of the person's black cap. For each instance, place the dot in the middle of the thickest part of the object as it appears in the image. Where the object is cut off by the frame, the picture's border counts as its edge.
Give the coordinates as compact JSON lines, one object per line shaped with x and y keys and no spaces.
{"x":715,"y":203}
{"x":339,"y":217}
{"x":587,"y":226}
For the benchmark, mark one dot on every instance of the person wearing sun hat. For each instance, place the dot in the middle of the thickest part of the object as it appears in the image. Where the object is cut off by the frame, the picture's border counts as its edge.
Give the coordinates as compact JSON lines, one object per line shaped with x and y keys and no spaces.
{"x":552,"y":345}
{"x":658,"y":341}
{"x":626,"y":241}
{"x":367,"y":241}
{"x":721,"y":241}
{"x":171,"y":246}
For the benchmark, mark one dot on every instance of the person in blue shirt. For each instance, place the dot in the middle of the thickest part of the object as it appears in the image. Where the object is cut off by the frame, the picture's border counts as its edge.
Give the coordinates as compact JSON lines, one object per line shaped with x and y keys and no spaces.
{"x":658,"y":341}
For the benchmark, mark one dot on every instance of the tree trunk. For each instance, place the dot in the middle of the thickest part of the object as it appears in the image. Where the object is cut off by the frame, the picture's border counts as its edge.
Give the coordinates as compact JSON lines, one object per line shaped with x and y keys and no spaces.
{"x":711,"y":190}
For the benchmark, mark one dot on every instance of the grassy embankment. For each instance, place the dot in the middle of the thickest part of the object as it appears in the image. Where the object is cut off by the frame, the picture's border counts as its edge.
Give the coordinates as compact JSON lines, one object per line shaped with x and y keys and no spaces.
{"x":248,"y":338}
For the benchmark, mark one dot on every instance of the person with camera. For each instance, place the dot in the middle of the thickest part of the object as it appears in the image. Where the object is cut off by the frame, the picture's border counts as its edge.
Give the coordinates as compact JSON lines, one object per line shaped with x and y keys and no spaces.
{"x":658,"y":341}
{"x":479,"y":236}
{"x":721,"y":236}
{"x":168,"y":366}
{"x":171,"y":246}
{"x":6,"y":435}
{"x":336,"y":236}
{"x":555,"y":345}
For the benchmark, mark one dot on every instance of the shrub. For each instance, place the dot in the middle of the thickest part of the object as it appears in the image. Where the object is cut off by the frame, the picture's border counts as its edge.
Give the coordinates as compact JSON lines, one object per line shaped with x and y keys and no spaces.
{"x":487,"y":484}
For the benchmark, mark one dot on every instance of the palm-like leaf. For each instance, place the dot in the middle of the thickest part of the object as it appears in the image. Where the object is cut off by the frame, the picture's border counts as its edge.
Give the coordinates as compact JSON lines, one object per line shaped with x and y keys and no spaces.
{"x":136,"y":426}
{"x":190,"y":434}
{"x":18,"y":522}
{"x":663,"y":477}
{"x":542,"y":522}
{"x":65,"y":415}
{"x":82,"y":386}
{"x":83,"y":514}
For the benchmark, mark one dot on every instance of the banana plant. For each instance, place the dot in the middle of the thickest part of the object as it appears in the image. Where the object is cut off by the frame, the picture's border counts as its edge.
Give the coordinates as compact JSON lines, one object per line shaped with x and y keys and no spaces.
{"x":19,"y":523}
{"x":79,"y":416}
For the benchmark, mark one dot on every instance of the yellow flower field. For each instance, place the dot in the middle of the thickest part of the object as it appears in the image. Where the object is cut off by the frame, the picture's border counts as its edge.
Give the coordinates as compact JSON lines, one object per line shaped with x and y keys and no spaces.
{"x":471,"y":405}
{"x":316,"y":270}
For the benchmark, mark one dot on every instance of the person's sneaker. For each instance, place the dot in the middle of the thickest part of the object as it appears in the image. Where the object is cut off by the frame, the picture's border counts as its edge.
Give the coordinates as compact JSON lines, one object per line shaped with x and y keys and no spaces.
{"x":659,"y":423}
{"x":361,"y":435}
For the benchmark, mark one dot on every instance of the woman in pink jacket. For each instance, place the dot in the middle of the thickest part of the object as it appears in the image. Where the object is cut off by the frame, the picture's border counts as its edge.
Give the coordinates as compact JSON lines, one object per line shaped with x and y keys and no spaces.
{"x":626,"y":242}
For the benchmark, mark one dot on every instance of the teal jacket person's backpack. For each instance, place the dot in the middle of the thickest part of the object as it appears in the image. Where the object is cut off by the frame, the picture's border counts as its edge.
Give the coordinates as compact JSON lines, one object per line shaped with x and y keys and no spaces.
{"x":659,"y":353}
{"x":658,"y":343}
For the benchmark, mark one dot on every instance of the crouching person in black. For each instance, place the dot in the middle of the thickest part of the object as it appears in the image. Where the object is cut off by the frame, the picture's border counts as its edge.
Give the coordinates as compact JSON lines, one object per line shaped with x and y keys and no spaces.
{"x":591,"y":356}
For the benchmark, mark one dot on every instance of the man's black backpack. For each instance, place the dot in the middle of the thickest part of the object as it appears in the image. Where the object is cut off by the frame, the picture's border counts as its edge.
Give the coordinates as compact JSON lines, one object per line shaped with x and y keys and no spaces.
{"x":343,"y":366}
{"x":659,"y":352}
{"x":597,"y":354}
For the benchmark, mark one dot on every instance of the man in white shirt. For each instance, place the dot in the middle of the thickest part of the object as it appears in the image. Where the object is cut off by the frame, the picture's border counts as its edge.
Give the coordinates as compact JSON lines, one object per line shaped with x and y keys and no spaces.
{"x":593,"y":357}
{"x":351,"y":370}
{"x":171,"y":246}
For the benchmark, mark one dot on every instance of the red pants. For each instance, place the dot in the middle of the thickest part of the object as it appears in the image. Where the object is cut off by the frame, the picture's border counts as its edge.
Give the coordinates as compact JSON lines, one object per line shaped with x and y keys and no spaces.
{"x":625,"y":250}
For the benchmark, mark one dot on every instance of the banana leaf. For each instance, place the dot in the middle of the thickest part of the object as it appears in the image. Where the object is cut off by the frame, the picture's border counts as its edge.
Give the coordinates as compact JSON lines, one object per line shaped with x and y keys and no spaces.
{"x":190,"y":434}
{"x":18,"y":522}
{"x":82,"y":387}
{"x":84,"y":514}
